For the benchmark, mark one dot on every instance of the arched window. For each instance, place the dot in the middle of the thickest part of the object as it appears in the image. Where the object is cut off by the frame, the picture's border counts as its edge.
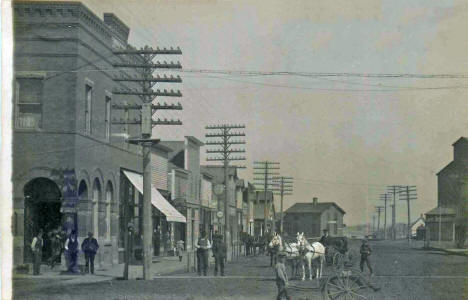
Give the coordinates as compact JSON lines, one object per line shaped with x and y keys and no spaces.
{"x":95,"y":209}
{"x":108,"y":217}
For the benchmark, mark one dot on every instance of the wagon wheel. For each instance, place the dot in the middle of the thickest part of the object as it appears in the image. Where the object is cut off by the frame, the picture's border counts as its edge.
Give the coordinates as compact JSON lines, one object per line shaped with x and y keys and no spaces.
{"x":346,"y":284}
{"x":338,"y":259}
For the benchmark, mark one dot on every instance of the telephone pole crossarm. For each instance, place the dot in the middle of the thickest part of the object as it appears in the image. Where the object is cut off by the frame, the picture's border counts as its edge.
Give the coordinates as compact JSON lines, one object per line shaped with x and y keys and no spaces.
{"x":220,"y":136}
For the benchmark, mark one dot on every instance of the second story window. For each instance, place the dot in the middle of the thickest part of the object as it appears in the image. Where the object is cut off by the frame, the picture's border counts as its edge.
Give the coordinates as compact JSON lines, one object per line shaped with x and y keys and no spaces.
{"x":126,"y":127}
{"x":88,"y":106}
{"x":108,"y":118}
{"x":29,"y":103}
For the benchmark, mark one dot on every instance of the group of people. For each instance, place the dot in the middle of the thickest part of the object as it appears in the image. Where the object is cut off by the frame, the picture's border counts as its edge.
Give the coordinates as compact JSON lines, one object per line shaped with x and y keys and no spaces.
{"x":219,"y":252}
{"x":59,"y":243}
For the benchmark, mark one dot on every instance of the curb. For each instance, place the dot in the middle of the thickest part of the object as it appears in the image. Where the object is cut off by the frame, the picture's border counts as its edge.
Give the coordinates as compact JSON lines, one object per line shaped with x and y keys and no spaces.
{"x":447,"y":251}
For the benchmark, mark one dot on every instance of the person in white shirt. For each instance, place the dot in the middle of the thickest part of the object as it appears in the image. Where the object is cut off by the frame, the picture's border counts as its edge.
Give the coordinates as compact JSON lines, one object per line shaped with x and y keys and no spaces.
{"x":203,"y":245}
{"x":36,"y":246}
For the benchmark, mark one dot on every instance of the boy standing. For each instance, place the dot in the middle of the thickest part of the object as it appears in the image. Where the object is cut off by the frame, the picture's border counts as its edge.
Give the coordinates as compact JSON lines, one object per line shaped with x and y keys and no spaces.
{"x":281,"y":277}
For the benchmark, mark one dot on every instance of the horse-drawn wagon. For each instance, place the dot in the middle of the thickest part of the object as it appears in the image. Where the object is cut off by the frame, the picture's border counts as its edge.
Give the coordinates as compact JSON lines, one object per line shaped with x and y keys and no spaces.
{"x":340,"y":281}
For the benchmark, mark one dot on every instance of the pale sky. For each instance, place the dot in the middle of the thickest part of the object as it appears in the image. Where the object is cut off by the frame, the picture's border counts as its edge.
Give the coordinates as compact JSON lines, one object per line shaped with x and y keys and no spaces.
{"x":342,"y":139}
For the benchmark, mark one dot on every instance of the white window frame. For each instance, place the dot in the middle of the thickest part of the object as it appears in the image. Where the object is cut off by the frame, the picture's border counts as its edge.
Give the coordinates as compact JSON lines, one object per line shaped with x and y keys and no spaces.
{"x":88,"y":106}
{"x":27,"y":75}
{"x":108,"y":115}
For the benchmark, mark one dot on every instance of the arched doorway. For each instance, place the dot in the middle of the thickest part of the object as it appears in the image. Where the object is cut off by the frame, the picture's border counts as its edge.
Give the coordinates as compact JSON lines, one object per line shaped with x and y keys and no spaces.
{"x":41,"y":212}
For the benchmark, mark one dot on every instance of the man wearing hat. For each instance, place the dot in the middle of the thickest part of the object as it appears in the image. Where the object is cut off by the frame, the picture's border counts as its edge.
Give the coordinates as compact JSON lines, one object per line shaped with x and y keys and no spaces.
{"x":281,"y":277}
{"x":90,"y":246}
{"x":324,"y":238}
{"x":203,"y":245}
{"x":365,"y":253}
{"x":219,"y":253}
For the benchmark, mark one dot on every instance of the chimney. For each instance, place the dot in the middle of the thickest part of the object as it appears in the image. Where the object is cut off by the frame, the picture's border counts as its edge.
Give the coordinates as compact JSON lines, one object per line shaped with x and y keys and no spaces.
{"x":315,"y":200}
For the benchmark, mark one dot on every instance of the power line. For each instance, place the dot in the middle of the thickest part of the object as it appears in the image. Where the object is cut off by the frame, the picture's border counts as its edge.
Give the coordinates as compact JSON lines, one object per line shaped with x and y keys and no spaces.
{"x":329,"y":74}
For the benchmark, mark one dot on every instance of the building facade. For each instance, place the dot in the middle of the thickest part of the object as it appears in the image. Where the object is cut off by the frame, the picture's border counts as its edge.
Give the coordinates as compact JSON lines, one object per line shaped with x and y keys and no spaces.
{"x":313,"y":217}
{"x":449,"y":218}
{"x":67,"y":159}
{"x":262,"y":208}
{"x":188,"y":187}
{"x":217,"y":173}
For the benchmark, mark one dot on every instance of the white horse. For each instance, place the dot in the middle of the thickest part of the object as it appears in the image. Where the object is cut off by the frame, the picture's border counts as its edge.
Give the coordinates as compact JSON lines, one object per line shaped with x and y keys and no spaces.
{"x":275,"y":245}
{"x":293,"y":257}
{"x":309,"y":252}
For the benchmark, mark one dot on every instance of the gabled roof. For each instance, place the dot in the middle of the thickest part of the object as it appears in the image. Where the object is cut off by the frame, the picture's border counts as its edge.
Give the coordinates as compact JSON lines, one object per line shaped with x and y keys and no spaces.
{"x":442,"y":211}
{"x":453,"y":165}
{"x":460,"y":140}
{"x":421,"y":218}
{"x":308,"y":207}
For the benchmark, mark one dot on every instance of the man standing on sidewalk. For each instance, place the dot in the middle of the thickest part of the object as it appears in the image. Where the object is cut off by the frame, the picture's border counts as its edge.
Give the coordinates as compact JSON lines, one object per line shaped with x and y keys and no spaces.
{"x":219,"y":253}
{"x":90,"y":247}
{"x":71,"y":250}
{"x":203,"y":245}
{"x":36,"y":247}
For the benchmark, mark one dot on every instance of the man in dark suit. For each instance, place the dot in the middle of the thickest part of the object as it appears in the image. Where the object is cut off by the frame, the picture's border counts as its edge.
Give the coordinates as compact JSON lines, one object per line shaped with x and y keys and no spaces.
{"x":219,"y":253}
{"x":90,"y":247}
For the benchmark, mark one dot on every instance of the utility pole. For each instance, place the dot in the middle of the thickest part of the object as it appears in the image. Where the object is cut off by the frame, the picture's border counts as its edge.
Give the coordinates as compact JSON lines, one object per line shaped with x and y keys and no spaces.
{"x":141,"y":62}
{"x":222,"y":143}
{"x":385,"y":198}
{"x":394,"y":190}
{"x":265,"y":168}
{"x":373,"y":222}
{"x":283,"y":187}
{"x":379,"y":210}
{"x":408,"y":193}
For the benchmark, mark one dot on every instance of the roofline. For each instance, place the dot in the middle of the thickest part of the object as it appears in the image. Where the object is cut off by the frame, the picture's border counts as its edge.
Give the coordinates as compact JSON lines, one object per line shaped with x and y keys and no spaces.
{"x":462,"y":138}
{"x":162,"y":147}
{"x":204,"y":173}
{"x":181,"y":170}
{"x":332,"y":203}
{"x":194,"y":140}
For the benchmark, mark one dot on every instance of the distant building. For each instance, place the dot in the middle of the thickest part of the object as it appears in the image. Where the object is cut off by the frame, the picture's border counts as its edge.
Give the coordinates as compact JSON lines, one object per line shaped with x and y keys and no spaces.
{"x":420,"y":221}
{"x":249,"y":197}
{"x":217,"y":173}
{"x":313,"y":217}
{"x":185,"y":186}
{"x":452,"y":187}
{"x":260,"y":210}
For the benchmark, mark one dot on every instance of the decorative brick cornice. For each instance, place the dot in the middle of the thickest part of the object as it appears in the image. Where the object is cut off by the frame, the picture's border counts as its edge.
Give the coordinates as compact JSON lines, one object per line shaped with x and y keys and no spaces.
{"x":117,"y":26}
{"x":25,"y":10}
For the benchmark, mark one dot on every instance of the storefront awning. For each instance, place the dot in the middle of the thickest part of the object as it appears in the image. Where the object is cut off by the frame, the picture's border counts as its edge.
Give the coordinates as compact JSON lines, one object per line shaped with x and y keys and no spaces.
{"x":172,"y":215}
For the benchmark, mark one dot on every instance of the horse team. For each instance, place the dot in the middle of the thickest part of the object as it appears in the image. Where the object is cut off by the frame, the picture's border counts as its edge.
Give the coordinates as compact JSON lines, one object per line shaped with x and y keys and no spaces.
{"x":300,"y":252}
